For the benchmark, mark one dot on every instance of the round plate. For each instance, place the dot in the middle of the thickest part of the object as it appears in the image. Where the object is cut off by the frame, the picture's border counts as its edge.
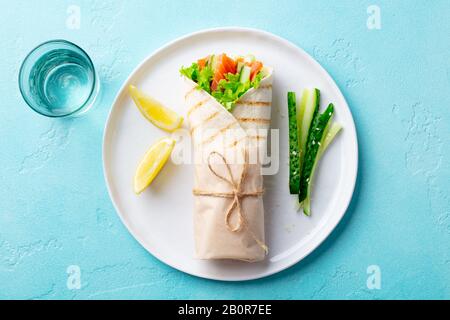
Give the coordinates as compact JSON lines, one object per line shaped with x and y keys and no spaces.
{"x":161,"y":218}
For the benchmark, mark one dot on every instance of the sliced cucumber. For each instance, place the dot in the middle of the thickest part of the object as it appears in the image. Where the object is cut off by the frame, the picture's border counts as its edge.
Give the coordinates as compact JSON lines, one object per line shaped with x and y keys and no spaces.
{"x":301,"y":107}
{"x":212,"y":61}
{"x":245,"y":74}
{"x":239,"y":67}
{"x":328,"y":137}
{"x":294,"y":155}
{"x":308,"y":110}
{"x":321,"y":124}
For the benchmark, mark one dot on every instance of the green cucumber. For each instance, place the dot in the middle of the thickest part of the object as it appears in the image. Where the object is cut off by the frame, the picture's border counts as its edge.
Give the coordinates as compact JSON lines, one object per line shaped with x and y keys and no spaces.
{"x":309,"y":109}
{"x":301,"y":107}
{"x":294,"y":155}
{"x":328,"y":137}
{"x":330,"y":133}
{"x":331,"y":130}
{"x":245,"y":74}
{"x":239,"y":67}
{"x":321,"y":124}
{"x":212,"y":62}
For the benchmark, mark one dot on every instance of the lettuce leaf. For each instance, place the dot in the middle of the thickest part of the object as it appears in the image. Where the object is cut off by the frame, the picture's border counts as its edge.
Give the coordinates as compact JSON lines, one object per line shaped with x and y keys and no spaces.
{"x":255,"y":83}
{"x":229,"y":89}
{"x":202,"y":77}
{"x":191,"y":72}
{"x":205,"y":78}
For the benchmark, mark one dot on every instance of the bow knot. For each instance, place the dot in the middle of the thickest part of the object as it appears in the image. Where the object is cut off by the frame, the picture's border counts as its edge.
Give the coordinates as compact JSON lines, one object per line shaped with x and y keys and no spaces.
{"x":236,"y":194}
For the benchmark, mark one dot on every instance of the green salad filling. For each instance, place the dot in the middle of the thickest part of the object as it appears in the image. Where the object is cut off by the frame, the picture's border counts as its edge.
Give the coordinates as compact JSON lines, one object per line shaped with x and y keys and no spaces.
{"x":225,"y":78}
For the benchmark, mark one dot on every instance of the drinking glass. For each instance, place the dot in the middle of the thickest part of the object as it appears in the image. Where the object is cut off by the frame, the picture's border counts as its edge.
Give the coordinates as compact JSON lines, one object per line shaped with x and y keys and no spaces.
{"x":58,"y":79}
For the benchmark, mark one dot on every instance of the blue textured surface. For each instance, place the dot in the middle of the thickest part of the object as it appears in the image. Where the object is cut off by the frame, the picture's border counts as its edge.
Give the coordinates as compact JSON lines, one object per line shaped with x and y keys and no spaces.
{"x":55,"y":210}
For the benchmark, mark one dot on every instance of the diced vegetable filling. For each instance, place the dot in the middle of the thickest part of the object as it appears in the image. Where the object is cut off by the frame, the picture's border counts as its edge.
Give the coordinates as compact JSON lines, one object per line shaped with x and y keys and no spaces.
{"x":225,"y":78}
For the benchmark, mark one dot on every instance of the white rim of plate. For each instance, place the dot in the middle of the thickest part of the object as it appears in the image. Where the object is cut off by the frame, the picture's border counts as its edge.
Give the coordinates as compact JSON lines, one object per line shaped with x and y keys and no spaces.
{"x":322,"y":234}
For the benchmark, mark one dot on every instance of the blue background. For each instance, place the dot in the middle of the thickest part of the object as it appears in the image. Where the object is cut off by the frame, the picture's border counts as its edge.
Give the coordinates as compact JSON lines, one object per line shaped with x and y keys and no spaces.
{"x":55,"y":210}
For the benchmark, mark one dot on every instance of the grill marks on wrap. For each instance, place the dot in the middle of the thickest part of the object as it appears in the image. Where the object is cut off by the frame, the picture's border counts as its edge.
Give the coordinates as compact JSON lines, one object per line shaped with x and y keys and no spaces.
{"x":197,"y":105}
{"x":256,"y":138}
{"x":265,"y":86}
{"x":219,"y":132}
{"x":189,"y":92}
{"x":204,"y":121}
{"x":254,"y":109}
{"x":247,"y":112}
{"x":254,"y":120}
{"x":254,"y":103}
{"x":236,"y":142}
{"x":195,"y":123}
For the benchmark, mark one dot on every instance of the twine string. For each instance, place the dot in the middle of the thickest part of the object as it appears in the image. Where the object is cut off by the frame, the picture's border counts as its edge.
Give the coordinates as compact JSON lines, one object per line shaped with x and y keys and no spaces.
{"x":236,"y":194}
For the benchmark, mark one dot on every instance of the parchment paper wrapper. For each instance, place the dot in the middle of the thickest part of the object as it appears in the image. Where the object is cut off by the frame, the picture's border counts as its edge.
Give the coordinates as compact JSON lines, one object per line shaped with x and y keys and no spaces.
{"x":233,"y":135}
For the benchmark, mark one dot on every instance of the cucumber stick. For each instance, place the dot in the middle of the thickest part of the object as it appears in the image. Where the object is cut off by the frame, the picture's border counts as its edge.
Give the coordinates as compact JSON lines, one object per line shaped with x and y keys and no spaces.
{"x":294,"y":154}
{"x":308,"y":110}
{"x":245,"y":74}
{"x":329,"y":135}
{"x":320,"y":125}
{"x":301,"y":106}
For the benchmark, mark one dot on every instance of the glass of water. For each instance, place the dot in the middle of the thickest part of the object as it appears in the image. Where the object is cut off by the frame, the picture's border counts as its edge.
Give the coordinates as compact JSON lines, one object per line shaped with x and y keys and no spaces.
{"x":58,"y":79}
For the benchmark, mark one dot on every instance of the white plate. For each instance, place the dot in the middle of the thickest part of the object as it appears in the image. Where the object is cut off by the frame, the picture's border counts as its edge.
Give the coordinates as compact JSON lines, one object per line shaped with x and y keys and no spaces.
{"x":161,"y":218}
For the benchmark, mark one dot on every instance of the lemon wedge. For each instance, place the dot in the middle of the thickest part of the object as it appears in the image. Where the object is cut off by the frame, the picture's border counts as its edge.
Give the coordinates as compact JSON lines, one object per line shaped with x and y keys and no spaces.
{"x":152,"y":163}
{"x":155,"y":112}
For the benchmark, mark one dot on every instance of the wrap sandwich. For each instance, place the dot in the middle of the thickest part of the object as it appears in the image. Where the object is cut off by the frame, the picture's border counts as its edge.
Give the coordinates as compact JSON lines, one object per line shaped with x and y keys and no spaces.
{"x":229,"y":107}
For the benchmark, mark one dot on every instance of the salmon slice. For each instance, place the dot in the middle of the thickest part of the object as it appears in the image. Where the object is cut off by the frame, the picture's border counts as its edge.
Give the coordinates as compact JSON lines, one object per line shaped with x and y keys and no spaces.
{"x":224,"y":66}
{"x":256,"y":67}
{"x":202,"y":62}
